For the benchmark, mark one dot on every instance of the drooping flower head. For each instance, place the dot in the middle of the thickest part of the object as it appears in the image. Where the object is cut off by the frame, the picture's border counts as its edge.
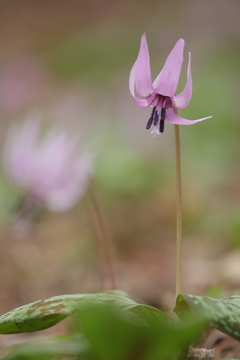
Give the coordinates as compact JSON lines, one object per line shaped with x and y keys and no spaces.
{"x":161,"y":94}
{"x":49,"y":169}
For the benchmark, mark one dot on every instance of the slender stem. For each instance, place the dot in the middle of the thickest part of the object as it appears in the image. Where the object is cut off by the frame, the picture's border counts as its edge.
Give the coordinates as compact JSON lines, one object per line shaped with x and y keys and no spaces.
{"x":103,"y":238}
{"x":179,"y":213}
{"x":97,"y":235}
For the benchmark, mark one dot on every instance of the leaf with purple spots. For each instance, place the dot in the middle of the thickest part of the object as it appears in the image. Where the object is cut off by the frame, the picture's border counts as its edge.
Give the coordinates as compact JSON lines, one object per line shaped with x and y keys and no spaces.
{"x":43,"y":314}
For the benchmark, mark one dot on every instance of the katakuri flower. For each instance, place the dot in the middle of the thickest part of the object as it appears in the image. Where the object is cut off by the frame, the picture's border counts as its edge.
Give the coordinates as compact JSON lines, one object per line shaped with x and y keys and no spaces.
{"x":161,"y":94}
{"x":49,"y":169}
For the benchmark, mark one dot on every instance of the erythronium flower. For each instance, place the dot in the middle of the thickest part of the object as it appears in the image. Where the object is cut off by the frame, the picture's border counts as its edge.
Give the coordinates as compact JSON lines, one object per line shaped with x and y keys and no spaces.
{"x":161,"y":94}
{"x":48,"y":169}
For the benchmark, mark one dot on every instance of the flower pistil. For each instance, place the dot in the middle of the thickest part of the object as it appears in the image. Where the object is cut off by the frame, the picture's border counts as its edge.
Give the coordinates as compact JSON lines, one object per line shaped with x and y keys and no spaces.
{"x":159,"y":111}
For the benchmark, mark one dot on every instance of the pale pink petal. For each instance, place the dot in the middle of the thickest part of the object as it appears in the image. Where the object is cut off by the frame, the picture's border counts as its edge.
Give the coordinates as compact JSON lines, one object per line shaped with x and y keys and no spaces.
{"x":182,"y":100}
{"x":140,"y":75}
{"x":167,"y":81}
{"x":64,"y":197}
{"x":142,"y":102}
{"x":19,"y":151}
{"x":173,"y":118}
{"x":50,"y":168}
{"x":52,"y":157}
{"x":70,"y":186}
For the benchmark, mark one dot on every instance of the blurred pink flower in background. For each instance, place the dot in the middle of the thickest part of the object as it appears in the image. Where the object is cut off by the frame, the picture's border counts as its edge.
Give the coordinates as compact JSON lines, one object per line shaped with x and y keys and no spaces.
{"x":49,"y":169}
{"x":161,"y":94}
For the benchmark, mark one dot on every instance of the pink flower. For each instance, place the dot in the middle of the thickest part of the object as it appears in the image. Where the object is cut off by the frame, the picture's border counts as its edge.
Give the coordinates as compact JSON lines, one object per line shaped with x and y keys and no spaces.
{"x":49,"y":169}
{"x":161,"y":94}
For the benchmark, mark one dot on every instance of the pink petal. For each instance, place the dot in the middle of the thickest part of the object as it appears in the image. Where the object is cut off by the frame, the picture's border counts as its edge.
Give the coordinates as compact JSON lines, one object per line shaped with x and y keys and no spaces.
{"x":52,"y":156}
{"x":173,"y":118}
{"x":142,"y":102}
{"x":140,"y":75}
{"x":71,"y":185}
{"x":19,"y":151}
{"x":182,"y":100}
{"x":167,"y":81}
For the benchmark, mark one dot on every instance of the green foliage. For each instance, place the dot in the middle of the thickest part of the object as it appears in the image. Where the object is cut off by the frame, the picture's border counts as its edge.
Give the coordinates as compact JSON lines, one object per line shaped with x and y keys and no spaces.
{"x":48,"y":348}
{"x":43,"y":314}
{"x":222,"y":314}
{"x":214,"y":291}
{"x":113,"y":335}
{"x":103,"y":332}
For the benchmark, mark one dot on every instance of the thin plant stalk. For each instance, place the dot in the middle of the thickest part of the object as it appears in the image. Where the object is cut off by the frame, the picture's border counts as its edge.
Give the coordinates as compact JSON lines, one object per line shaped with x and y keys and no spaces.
{"x":179,"y":213}
{"x":103,"y":240}
{"x":97,"y":239}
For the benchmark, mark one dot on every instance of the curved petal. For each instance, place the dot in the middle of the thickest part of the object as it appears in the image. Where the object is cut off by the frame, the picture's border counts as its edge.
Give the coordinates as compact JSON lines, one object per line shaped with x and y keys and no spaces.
{"x":182,"y":100}
{"x":140,"y":75}
{"x":167,"y":81}
{"x":142,"y":102}
{"x":173,"y":118}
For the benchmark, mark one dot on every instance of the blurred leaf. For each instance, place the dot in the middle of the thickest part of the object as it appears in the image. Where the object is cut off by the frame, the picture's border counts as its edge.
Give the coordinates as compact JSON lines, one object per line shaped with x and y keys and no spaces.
{"x":214,"y":291}
{"x":222,"y":314}
{"x":103,"y":331}
{"x":148,"y":313}
{"x":43,"y":314}
{"x":47,"y":349}
{"x":112,"y":335}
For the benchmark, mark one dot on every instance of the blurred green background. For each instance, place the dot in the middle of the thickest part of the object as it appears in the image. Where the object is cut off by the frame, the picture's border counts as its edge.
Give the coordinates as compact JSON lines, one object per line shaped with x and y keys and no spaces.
{"x":70,"y":61}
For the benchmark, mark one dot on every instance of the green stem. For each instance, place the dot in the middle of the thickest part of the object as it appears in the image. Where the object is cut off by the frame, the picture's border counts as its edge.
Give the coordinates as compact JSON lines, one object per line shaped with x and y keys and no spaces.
{"x":103,"y":240}
{"x":179,"y":213}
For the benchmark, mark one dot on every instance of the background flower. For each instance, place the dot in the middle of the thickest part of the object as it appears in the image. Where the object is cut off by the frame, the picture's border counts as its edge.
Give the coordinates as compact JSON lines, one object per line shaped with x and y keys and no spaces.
{"x":49,"y":168}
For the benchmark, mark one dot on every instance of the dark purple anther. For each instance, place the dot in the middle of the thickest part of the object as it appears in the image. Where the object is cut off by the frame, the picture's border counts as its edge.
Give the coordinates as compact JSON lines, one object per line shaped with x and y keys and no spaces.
{"x":163,"y":114}
{"x":156,"y":118}
{"x":153,"y":111}
{"x":161,"y":126}
{"x":153,"y":116}
{"x":149,"y":123}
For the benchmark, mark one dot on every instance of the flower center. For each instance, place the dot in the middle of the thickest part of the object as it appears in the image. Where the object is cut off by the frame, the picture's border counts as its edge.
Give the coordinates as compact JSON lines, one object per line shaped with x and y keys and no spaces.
{"x":161,"y":103}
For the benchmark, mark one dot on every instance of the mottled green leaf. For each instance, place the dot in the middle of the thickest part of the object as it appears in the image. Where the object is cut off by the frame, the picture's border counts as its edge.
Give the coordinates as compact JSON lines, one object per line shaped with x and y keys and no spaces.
{"x":43,"y":314}
{"x":104,"y":332}
{"x":222,"y":314}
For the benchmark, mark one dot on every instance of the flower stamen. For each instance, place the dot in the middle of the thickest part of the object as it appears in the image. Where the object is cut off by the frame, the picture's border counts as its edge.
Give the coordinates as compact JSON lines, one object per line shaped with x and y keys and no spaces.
{"x":156,"y":118}
{"x":150,"y":121}
{"x":162,"y":123}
